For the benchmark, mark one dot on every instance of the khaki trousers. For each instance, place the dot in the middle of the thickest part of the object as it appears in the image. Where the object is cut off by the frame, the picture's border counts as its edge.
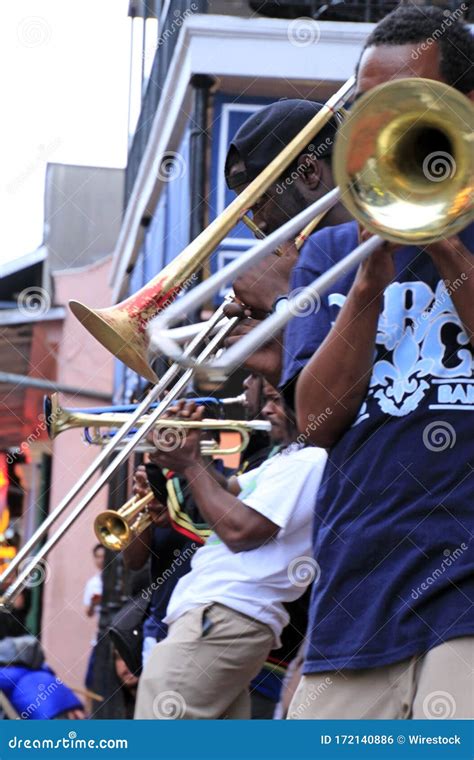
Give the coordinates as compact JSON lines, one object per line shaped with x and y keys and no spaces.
{"x":438,"y":684}
{"x":203,"y":668}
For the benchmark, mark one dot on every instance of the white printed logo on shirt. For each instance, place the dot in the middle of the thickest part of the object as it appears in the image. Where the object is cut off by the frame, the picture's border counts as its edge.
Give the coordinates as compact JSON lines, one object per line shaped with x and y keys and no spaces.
{"x":411,"y":327}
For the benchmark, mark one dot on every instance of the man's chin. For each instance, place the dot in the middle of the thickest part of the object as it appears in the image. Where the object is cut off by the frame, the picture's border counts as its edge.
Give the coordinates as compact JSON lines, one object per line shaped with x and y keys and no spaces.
{"x":276,"y":434}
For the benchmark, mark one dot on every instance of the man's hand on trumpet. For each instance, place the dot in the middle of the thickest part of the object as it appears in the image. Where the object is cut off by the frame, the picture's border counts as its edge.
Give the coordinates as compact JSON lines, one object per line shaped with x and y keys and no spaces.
{"x":177,"y":448}
{"x":141,"y":486}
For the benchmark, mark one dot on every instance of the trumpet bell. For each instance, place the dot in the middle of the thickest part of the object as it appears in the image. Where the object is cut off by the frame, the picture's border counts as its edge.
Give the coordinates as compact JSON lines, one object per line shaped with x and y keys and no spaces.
{"x":116,"y":529}
{"x":112,"y":531}
{"x":404,"y":161}
{"x":121,"y":330}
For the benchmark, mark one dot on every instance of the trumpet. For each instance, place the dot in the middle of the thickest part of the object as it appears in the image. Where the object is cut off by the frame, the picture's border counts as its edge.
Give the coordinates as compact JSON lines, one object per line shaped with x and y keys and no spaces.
{"x":383,"y":180}
{"x":59,"y":419}
{"x":122,"y":329}
{"x":115,"y":529}
{"x":171,"y":432}
{"x":23,"y":562}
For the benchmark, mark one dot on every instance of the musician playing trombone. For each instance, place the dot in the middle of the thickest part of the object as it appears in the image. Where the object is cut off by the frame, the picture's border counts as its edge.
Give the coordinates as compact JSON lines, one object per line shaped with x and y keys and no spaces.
{"x":384,"y":364}
{"x":227,"y":613}
{"x":258,"y":141}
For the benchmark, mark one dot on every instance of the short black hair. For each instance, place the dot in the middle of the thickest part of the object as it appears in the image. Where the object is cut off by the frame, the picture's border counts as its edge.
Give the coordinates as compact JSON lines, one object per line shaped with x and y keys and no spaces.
{"x":419,"y":23}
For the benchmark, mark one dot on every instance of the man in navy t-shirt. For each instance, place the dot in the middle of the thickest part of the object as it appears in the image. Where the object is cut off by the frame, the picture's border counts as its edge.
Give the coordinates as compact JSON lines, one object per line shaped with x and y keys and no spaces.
{"x":382,"y":376}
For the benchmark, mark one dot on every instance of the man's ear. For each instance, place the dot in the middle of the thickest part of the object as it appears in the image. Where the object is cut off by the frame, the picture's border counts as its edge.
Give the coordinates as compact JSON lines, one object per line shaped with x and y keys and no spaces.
{"x":309,"y":171}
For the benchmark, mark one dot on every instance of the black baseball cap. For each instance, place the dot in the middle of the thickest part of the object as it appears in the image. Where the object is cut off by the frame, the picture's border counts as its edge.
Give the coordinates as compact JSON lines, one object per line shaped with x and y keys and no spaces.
{"x":264,"y":135}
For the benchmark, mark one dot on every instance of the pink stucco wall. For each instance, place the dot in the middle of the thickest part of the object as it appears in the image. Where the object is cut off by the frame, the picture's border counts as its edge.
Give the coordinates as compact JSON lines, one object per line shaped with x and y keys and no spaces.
{"x":81,"y":362}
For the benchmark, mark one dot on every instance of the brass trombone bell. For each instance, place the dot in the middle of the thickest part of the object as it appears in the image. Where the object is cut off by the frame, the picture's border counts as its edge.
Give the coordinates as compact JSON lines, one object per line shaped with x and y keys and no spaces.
{"x":404,"y":165}
{"x":404,"y":161}
{"x":122,"y":329}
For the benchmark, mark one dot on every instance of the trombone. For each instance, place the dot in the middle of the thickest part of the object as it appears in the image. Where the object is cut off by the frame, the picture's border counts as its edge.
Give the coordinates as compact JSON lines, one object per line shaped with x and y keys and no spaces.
{"x":384,"y":189}
{"x":122,"y":329}
{"x":383,"y":177}
{"x":23,"y":562}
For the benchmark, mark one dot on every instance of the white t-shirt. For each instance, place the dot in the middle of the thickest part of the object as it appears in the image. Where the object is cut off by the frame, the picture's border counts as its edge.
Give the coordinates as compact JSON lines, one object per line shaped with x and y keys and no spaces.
{"x":93,"y":587}
{"x":257,"y":582}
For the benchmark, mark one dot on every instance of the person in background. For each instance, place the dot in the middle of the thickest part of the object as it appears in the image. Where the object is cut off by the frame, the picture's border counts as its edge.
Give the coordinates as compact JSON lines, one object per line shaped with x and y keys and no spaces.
{"x":91,"y":600}
{"x":32,"y":689}
{"x":129,"y":683}
{"x":93,"y":587}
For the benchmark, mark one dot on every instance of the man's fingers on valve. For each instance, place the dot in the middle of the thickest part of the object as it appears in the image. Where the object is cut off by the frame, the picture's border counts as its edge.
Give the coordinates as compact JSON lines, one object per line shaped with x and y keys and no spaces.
{"x":188,"y":410}
{"x":140,"y":482}
{"x":236,"y":309}
{"x":174,"y":411}
{"x":191,"y":410}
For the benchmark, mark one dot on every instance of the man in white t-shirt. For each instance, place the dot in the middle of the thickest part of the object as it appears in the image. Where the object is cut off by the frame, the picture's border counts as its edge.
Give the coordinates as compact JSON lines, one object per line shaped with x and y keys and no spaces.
{"x":227,"y":613}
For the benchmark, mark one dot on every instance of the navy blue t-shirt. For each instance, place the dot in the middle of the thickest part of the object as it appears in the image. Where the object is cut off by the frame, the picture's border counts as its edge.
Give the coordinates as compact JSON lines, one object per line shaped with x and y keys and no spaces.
{"x":394,"y":513}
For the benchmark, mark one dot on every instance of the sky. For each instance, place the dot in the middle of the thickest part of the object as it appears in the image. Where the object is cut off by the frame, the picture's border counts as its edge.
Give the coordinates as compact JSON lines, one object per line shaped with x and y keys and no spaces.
{"x":65,"y":91}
